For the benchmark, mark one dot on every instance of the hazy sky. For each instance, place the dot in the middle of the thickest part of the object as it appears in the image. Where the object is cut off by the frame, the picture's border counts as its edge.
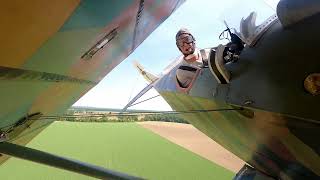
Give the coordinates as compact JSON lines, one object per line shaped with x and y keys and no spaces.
{"x":204,"y":18}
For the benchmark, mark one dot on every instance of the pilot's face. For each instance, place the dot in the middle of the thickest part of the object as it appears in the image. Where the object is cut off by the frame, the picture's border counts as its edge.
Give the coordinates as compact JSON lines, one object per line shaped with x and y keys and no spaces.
{"x":186,"y":44}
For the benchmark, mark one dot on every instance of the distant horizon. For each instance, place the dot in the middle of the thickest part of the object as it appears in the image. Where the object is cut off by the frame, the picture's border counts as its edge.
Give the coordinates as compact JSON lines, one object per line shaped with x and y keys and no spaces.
{"x":106,"y":108}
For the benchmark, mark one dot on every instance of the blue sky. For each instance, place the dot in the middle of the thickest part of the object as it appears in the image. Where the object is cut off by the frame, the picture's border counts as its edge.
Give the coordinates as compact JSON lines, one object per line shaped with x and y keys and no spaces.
{"x":204,"y":18}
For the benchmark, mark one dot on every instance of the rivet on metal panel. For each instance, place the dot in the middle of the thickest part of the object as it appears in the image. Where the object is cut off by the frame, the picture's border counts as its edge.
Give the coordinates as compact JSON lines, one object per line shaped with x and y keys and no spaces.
{"x":312,"y":84}
{"x":248,"y":102}
{"x":3,"y":136}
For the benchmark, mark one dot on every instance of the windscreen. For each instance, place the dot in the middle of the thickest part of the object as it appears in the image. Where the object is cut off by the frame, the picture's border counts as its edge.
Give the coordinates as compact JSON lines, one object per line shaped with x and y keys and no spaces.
{"x":239,"y":9}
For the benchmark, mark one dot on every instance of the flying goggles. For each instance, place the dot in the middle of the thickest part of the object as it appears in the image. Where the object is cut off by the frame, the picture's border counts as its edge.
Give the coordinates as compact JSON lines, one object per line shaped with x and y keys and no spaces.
{"x":185,"y":40}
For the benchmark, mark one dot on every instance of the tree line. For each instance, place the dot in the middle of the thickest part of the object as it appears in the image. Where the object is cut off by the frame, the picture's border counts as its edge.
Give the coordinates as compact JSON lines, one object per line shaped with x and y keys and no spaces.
{"x":105,"y":117}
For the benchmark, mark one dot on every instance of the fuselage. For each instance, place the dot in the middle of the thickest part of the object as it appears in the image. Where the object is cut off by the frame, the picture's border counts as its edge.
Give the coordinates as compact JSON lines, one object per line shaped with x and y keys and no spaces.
{"x":273,"y":122}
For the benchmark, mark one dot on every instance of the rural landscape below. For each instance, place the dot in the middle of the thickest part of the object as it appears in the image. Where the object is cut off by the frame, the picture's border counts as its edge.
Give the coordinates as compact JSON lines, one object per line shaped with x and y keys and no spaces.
{"x":148,"y":148}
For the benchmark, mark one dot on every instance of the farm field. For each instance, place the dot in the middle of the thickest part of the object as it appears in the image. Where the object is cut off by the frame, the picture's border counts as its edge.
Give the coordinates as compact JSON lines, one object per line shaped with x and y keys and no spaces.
{"x":125,"y":147}
{"x":188,"y":137}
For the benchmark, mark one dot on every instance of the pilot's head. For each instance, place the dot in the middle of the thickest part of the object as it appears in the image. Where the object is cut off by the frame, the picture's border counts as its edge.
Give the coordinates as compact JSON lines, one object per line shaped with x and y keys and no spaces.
{"x":185,"y":42}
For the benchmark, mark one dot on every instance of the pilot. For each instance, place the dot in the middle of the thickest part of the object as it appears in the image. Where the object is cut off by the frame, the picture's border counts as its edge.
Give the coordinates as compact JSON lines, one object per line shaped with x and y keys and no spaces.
{"x":192,"y":59}
{"x":214,"y":58}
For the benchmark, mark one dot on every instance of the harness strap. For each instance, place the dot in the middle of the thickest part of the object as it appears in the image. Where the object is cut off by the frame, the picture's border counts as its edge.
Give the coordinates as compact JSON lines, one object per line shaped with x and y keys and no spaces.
{"x":187,"y":68}
{"x":204,"y":58}
{"x":214,"y":68}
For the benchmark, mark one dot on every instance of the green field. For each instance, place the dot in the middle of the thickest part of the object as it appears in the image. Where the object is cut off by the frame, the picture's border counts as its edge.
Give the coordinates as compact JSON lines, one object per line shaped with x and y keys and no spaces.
{"x":124,"y":147}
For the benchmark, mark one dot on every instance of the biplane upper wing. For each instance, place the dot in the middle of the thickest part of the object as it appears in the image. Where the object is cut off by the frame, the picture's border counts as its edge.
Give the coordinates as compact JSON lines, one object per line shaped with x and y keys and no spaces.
{"x":54,"y":52}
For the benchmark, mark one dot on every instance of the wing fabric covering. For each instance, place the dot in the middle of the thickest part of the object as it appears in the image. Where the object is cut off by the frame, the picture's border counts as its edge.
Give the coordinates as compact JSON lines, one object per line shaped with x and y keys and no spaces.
{"x":44,"y":41}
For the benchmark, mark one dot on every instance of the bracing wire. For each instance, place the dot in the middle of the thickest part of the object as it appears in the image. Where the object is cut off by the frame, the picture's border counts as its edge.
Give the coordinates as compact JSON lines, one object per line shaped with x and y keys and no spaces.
{"x":122,"y":114}
{"x":117,"y":114}
{"x":136,"y":113}
{"x":144,"y":100}
{"x":133,"y":88}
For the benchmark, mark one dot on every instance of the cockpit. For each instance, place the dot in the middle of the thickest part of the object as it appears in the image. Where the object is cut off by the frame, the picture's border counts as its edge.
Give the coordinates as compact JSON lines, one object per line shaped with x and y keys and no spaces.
{"x":240,"y":31}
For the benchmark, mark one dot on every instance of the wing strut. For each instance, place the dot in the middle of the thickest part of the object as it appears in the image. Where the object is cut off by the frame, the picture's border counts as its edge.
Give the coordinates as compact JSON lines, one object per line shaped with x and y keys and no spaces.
{"x":149,"y":77}
{"x":141,"y":93}
{"x":60,"y":162}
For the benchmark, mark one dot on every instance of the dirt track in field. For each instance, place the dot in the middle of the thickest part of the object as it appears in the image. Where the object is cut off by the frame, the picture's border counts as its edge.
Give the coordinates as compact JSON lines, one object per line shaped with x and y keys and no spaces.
{"x":192,"y":139}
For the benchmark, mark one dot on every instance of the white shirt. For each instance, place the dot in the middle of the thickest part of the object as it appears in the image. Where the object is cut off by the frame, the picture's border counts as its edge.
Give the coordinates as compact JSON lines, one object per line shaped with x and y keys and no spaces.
{"x":185,"y":77}
{"x":198,"y":63}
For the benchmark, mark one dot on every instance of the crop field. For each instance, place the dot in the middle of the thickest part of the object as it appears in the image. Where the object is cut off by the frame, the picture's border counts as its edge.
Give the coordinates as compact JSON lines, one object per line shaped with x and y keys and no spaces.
{"x":125,"y":147}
